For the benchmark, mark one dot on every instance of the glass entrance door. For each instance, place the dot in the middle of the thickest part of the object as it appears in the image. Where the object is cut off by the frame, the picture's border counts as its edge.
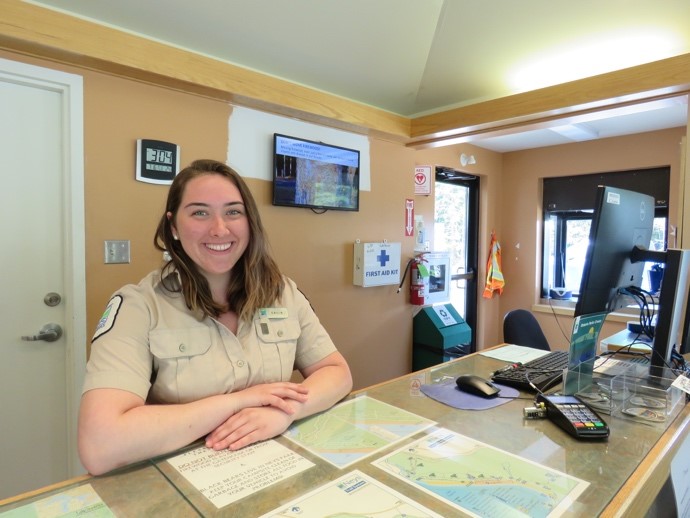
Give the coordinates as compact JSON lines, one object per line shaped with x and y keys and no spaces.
{"x":456,"y":229}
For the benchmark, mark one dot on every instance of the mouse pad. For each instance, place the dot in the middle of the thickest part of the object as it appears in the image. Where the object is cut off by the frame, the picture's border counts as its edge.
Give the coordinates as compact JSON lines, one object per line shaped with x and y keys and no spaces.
{"x":448,"y":394}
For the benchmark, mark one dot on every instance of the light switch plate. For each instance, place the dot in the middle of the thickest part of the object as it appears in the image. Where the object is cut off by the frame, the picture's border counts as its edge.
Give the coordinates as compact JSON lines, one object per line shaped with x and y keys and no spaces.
{"x":116,"y":252}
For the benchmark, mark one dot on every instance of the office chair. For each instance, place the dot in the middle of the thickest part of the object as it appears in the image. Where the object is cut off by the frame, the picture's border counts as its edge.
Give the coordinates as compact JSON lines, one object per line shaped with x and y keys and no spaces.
{"x":520,"y":327}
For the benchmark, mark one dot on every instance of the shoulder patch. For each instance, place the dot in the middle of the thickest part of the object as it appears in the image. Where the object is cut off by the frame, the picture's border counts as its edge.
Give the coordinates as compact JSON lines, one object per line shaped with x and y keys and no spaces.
{"x":107,"y":321}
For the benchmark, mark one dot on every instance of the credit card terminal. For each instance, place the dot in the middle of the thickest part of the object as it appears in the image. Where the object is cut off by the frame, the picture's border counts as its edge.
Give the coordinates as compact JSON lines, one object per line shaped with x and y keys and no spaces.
{"x":576,"y":418}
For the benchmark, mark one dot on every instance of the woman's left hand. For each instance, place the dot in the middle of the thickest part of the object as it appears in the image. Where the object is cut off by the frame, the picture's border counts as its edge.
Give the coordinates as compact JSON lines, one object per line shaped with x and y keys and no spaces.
{"x":248,"y":426}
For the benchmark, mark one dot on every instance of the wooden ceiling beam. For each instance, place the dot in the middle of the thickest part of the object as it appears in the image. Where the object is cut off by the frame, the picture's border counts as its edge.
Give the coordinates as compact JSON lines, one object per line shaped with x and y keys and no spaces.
{"x":649,"y":82}
{"x":43,"y":33}
{"x":48,"y":34}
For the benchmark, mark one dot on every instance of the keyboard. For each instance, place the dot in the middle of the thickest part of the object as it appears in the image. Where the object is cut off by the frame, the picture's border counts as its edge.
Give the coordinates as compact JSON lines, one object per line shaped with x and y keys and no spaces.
{"x":544,"y":373}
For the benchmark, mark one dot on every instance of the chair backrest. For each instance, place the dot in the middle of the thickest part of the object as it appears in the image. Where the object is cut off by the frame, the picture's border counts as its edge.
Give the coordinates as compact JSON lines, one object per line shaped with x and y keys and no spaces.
{"x":520,"y":327}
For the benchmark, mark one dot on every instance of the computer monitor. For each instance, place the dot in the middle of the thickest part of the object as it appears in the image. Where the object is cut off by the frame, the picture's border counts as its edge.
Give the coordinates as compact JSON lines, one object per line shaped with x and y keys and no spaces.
{"x":618,"y":249}
{"x":671,"y":327}
{"x":622,"y":221}
{"x":685,"y":337}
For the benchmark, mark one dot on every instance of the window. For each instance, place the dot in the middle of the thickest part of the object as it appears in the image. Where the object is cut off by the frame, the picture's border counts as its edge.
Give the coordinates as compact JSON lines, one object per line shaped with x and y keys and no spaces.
{"x":568,"y":204}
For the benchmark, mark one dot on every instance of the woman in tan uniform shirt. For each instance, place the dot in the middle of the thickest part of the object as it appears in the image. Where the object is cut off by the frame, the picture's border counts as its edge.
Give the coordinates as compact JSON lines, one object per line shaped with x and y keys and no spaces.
{"x":206,"y":346}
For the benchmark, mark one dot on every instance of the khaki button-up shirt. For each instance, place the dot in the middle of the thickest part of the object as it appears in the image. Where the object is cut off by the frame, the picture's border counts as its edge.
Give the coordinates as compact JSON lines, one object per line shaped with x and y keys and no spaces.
{"x":149,"y":343}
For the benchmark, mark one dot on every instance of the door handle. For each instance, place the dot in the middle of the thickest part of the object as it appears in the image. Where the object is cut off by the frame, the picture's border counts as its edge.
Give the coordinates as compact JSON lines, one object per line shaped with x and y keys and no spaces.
{"x":48,"y":333}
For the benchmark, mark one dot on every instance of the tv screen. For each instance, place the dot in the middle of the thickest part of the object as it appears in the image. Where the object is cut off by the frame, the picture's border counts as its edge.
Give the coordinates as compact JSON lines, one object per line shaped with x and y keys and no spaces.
{"x":314,"y":175}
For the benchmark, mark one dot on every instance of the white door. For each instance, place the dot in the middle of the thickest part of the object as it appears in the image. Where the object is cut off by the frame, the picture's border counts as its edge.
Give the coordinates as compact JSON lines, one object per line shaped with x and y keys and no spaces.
{"x":41,"y":275}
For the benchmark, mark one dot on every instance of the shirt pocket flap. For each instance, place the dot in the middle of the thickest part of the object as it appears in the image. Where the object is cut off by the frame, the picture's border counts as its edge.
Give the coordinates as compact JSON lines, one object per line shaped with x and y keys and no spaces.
{"x":178,"y":343}
{"x":285,"y":330}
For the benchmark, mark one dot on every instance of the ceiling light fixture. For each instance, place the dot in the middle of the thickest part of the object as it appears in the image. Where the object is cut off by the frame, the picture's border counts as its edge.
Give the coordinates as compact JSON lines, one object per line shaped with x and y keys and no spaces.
{"x":597,"y":54}
{"x":576,"y":132}
{"x":466,"y":160}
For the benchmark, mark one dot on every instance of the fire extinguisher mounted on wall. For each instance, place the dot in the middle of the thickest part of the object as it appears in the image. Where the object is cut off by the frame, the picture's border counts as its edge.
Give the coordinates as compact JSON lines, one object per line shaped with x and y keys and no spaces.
{"x":419,"y":279}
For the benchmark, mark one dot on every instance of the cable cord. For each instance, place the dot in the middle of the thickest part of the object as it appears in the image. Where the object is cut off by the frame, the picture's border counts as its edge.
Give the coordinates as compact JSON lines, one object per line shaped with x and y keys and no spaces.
{"x":404,"y":276}
{"x":555,"y":316}
{"x":645,"y":301}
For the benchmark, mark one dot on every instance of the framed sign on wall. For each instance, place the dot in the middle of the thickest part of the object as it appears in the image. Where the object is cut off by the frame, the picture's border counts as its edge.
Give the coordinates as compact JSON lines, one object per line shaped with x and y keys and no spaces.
{"x":157,"y":161}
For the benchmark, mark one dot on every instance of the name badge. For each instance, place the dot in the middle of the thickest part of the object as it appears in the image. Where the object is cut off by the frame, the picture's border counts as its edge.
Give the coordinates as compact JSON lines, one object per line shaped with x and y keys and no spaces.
{"x":273,"y":313}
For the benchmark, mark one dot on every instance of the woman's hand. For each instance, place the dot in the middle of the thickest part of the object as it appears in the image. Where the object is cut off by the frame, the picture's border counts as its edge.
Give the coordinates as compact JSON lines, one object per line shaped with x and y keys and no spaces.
{"x":263,"y":411}
{"x":116,"y":427}
{"x":249,"y":426}
{"x":277,"y":395}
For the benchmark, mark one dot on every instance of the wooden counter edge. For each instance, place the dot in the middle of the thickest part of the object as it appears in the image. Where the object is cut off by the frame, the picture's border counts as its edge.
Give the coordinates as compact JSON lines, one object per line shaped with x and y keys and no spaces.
{"x":44,"y":489}
{"x":640,"y":490}
{"x":82,"y":478}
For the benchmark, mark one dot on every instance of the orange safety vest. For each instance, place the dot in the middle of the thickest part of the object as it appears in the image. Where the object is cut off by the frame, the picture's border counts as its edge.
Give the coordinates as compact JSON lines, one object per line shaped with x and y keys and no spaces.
{"x":494,"y":276}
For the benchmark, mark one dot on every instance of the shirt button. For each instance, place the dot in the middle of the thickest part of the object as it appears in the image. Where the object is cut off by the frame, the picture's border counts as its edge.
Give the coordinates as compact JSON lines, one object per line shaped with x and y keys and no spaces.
{"x":280,"y":333}
{"x":182,"y":348}
{"x":240,"y":363}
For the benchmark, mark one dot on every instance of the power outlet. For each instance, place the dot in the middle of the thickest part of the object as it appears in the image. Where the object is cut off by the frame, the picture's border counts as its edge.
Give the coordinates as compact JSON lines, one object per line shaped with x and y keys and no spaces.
{"x":116,"y":252}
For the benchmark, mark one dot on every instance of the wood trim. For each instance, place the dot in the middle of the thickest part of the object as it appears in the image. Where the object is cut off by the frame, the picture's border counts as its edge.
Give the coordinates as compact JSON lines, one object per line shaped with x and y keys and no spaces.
{"x":644,"y":484}
{"x":650,"y":82}
{"x":638,"y":493}
{"x":684,"y":205}
{"x":45,"y":490}
{"x":44,"y":33}
{"x":47,"y":34}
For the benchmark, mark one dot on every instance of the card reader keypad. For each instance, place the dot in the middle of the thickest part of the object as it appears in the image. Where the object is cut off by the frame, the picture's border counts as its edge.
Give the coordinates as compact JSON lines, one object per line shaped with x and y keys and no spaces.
{"x":581,"y":416}
{"x":573,"y":416}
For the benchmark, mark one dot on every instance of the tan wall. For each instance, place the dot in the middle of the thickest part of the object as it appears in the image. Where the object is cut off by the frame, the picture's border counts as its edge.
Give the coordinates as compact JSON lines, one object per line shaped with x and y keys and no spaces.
{"x":520,"y":199}
{"x":116,"y":113}
{"x":371,"y":326}
{"x":511,"y":204}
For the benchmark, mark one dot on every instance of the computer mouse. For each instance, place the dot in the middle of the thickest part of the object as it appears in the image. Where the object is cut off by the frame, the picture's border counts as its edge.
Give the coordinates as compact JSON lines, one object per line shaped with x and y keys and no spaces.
{"x":477,"y":385}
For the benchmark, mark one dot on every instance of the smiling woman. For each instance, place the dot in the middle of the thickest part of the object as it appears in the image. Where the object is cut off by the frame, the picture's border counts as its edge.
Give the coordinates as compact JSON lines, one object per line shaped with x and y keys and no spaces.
{"x":206,"y":346}
{"x":212,"y":227}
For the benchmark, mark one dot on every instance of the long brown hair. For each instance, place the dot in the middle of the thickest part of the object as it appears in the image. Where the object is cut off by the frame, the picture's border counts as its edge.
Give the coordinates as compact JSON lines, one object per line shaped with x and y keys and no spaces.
{"x":256,"y":280}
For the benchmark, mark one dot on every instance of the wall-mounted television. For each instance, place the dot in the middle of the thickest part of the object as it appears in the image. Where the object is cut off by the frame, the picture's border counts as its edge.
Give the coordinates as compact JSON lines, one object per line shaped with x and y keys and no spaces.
{"x":314,"y":175}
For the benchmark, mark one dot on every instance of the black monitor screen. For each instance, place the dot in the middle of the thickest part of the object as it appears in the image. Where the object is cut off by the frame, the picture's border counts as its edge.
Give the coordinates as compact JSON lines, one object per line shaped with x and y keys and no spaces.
{"x":622,"y":220}
{"x":314,"y":175}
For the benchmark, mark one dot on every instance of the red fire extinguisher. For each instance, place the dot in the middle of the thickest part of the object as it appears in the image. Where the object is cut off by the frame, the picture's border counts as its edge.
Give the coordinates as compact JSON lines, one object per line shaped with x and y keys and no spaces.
{"x":418,"y":282}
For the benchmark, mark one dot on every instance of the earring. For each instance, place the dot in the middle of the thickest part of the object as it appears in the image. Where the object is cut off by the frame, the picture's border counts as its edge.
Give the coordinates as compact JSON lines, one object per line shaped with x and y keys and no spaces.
{"x":175,"y":237}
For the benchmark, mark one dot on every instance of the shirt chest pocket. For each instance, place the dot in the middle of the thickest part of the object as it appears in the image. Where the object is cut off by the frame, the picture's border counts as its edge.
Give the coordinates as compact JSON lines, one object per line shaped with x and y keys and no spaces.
{"x":184,"y":367}
{"x":168,"y":344}
{"x":278,"y":340}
